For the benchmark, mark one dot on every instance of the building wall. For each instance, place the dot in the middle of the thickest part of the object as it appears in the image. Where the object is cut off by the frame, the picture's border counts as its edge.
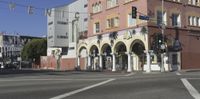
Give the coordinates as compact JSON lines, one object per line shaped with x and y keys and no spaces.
{"x":73,"y":29}
{"x":121,"y":10}
{"x":68,"y":64}
{"x":186,"y":34}
{"x":57,"y":31}
{"x":81,"y":7}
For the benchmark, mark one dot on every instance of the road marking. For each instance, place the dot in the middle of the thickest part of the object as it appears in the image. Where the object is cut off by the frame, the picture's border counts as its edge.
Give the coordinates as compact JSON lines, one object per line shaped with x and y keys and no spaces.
{"x":194,"y":78}
{"x":129,"y":74}
{"x":82,"y":89}
{"x":194,"y":93}
{"x":177,"y":73}
{"x":48,"y":79}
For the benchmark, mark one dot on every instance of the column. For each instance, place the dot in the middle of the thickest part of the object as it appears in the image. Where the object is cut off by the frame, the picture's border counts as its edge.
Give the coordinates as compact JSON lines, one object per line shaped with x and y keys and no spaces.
{"x":130,"y":69}
{"x":162,"y":69}
{"x":94,"y":63}
{"x":100,"y":61}
{"x":114,"y":63}
{"x":78,"y":63}
{"x":148,"y":62}
{"x":89,"y":61}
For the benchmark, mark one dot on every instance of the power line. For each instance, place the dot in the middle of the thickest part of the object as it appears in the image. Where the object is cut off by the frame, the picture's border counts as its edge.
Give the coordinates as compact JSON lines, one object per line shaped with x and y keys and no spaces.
{"x":13,"y":5}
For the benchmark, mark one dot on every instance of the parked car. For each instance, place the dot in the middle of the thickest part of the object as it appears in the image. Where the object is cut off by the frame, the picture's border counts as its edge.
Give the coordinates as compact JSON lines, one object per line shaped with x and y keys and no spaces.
{"x":2,"y":66}
{"x":11,"y":66}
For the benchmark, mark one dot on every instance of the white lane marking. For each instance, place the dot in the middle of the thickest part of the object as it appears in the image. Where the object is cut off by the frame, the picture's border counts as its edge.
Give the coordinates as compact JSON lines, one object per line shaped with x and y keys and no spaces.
{"x":129,"y":74}
{"x":48,"y":79}
{"x":82,"y":89}
{"x":194,"y":78}
{"x":177,"y":73}
{"x":194,"y":93}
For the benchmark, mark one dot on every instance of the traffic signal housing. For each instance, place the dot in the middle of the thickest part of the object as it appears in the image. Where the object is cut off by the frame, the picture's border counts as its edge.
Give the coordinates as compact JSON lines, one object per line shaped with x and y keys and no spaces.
{"x":158,"y":43}
{"x":134,"y":12}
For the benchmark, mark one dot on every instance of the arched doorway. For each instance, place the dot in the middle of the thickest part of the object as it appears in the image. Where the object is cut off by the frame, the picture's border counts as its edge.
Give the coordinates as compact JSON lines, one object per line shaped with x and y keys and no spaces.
{"x":121,"y":56}
{"x":83,"y":58}
{"x":94,"y":52}
{"x":106,"y":57}
{"x":139,"y":57}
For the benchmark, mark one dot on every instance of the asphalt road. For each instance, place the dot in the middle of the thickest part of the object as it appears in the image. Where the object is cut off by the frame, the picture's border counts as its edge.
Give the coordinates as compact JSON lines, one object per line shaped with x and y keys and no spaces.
{"x":98,"y":85}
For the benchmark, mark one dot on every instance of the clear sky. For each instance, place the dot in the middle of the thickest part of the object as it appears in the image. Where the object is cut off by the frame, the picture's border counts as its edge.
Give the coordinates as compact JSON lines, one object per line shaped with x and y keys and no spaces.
{"x":19,"y":21}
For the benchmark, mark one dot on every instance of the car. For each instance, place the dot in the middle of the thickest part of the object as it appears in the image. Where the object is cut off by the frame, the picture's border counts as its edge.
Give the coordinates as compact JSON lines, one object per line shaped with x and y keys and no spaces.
{"x":1,"y":66}
{"x":11,"y":66}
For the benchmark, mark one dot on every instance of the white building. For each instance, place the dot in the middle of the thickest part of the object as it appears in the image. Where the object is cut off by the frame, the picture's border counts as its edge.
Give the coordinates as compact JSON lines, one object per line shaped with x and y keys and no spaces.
{"x":57,"y":32}
{"x":65,"y":26}
{"x":78,"y":24}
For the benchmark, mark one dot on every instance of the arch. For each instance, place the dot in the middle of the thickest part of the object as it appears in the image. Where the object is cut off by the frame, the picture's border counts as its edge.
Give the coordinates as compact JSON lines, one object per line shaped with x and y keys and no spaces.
{"x":120,"y":46}
{"x":106,"y":48}
{"x":106,"y":51}
{"x":82,"y":59}
{"x":94,"y":50}
{"x":137,"y":46}
{"x":81,"y":46}
{"x":83,"y":52}
{"x":120,"y":50}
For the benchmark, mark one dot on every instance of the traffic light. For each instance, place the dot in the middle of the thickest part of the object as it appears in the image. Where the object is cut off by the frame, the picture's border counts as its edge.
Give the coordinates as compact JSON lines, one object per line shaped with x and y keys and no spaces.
{"x":134,"y":12}
{"x":158,"y":44}
{"x":161,"y":43}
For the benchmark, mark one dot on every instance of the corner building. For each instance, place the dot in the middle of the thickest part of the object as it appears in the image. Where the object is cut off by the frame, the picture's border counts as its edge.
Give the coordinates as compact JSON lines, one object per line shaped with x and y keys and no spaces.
{"x":118,"y":42}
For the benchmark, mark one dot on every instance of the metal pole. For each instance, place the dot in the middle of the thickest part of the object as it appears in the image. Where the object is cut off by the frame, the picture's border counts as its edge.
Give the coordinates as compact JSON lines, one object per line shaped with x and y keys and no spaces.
{"x":76,"y":19}
{"x":162,"y":30}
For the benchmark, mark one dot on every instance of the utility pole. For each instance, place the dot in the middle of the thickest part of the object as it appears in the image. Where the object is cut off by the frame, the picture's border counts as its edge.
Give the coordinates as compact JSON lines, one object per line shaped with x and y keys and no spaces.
{"x":77,"y":38}
{"x":162,"y":30}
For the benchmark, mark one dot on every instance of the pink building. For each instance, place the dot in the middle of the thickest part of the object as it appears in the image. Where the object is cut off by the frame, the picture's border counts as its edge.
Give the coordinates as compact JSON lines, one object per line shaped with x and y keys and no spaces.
{"x":118,"y":42}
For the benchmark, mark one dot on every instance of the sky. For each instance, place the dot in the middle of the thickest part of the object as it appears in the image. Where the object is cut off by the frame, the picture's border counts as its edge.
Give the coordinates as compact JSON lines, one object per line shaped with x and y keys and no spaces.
{"x":18,"y":21}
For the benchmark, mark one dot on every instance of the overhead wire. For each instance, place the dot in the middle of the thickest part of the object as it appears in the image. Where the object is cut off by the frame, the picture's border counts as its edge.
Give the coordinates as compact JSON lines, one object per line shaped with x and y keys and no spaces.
{"x":38,"y":8}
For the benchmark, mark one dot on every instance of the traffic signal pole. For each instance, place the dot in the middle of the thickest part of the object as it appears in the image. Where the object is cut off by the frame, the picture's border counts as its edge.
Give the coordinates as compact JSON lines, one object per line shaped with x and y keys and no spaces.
{"x":162,"y":30}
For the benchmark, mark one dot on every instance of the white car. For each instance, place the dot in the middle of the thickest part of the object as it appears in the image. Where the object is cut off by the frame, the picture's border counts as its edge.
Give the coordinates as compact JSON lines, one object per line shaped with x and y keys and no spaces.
{"x":2,"y":67}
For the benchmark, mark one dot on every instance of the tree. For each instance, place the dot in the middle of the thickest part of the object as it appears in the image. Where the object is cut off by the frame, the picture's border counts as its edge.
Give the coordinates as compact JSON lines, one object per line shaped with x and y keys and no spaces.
{"x":34,"y":49}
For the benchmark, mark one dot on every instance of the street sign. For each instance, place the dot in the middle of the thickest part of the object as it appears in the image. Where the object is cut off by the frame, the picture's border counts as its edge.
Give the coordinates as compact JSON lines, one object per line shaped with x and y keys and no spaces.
{"x":19,"y":58}
{"x":144,"y":17}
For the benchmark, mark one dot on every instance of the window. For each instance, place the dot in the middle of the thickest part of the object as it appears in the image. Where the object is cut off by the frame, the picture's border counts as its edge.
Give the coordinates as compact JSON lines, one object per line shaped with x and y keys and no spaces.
{"x":194,"y":2}
{"x":61,"y":37}
{"x":131,"y":21}
{"x":97,"y":27}
{"x":50,"y":23}
{"x":61,"y":22}
{"x":126,"y":1}
{"x":176,"y":0}
{"x":190,"y":20}
{"x":176,"y":20}
{"x":174,"y":59}
{"x":97,"y":7}
{"x":85,"y":19}
{"x":85,"y":5}
{"x":194,"y":21}
{"x":112,"y":3}
{"x":50,"y":37}
{"x":198,"y":21}
{"x":161,"y":17}
{"x":112,"y":22}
